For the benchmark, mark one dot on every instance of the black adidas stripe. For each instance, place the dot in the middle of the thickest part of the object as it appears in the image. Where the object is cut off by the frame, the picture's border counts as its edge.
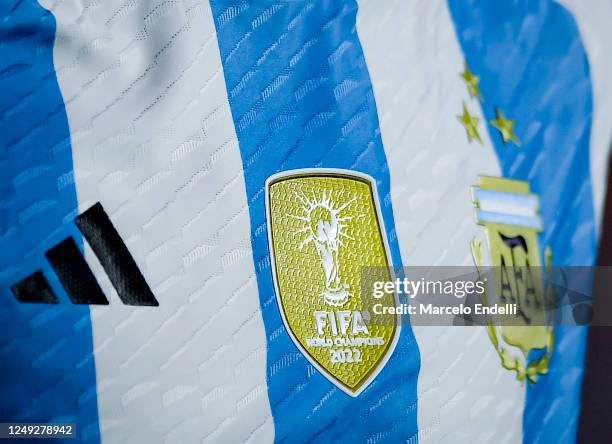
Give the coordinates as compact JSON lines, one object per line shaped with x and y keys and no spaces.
{"x":106,"y":243}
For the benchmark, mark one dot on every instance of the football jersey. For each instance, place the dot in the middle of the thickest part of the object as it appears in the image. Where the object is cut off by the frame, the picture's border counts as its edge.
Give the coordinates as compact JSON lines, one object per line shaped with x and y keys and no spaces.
{"x":185,"y":184}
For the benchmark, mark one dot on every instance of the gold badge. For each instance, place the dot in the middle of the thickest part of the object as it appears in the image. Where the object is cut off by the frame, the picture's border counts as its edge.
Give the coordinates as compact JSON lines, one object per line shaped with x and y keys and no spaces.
{"x":510,"y":214}
{"x":324,"y":226}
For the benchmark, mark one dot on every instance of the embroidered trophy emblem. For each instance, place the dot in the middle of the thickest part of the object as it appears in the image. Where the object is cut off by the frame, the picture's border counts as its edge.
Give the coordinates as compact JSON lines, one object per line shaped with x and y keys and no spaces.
{"x":324,"y":227}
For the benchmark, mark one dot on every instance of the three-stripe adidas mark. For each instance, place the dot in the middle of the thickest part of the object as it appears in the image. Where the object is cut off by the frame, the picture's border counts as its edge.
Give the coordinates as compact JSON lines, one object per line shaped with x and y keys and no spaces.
{"x":75,"y":275}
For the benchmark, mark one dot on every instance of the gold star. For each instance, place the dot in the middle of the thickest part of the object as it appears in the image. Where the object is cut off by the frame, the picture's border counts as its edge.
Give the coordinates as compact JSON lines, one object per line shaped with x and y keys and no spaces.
{"x":471,"y":124}
{"x":471,"y":81}
{"x":505,"y":127}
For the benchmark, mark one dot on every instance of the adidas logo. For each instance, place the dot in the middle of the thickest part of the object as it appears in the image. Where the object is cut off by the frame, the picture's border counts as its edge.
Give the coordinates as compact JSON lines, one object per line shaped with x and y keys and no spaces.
{"x":75,"y":275}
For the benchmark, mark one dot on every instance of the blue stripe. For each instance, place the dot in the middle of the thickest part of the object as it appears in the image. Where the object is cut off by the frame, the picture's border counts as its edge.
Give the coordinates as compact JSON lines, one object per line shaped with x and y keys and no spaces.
{"x":529,"y":201}
{"x":533,"y":66}
{"x":509,"y":219}
{"x":47,"y":370}
{"x":301,"y":96}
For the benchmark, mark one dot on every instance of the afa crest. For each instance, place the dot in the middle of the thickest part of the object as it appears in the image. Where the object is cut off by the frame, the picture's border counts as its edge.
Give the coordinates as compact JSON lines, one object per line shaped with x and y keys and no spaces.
{"x":324,"y":227}
{"x":510,"y":214}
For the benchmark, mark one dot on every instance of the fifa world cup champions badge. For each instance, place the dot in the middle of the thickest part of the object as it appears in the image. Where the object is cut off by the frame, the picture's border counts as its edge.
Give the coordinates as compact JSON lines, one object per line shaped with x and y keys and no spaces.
{"x":510,"y":214}
{"x":324,"y":227}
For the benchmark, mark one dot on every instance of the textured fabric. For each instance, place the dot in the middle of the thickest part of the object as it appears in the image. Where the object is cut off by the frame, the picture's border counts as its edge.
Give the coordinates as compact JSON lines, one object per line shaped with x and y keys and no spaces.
{"x":301,"y":97}
{"x":171,"y":115}
{"x":553,"y":108}
{"x":154,"y":144}
{"x":47,"y":371}
{"x":432,"y":166}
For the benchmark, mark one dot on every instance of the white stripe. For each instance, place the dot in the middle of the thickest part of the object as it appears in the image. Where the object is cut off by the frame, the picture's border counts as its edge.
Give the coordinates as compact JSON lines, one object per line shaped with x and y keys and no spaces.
{"x":415,"y":61}
{"x":593,"y":20}
{"x":153,"y":140}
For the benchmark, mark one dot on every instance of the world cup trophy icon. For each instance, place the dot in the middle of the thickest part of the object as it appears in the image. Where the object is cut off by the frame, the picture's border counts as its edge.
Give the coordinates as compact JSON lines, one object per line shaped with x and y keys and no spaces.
{"x":326,"y":229}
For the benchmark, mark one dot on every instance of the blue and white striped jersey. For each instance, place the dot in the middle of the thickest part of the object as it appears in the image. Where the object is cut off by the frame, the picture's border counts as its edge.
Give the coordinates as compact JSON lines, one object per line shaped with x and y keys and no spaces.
{"x":136,"y":139}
